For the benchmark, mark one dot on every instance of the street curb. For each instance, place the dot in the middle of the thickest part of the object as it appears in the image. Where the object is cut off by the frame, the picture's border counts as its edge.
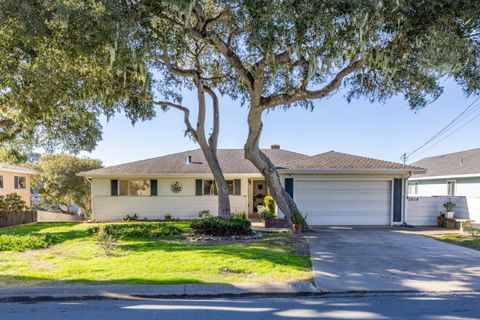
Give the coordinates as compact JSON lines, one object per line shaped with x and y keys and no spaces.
{"x":318,"y":294}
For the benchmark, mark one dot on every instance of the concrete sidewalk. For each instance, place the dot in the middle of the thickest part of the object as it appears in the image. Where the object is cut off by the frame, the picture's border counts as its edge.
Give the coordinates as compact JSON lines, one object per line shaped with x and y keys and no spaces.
{"x":85,"y":292}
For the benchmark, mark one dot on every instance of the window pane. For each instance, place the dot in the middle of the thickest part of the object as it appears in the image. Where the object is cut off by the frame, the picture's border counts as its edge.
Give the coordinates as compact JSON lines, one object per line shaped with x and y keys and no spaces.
{"x":20,"y":182}
{"x":230,"y":186}
{"x":140,"y":187}
{"x":123,"y":187}
{"x":209,"y":187}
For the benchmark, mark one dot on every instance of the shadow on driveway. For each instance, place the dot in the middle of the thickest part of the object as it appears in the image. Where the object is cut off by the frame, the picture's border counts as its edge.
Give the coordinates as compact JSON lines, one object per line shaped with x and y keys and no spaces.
{"x":390,"y":259}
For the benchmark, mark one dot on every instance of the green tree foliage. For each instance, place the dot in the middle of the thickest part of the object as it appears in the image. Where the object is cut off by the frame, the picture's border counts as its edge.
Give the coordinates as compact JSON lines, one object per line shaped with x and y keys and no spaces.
{"x":58,"y":182}
{"x":12,"y":202}
{"x":57,"y":74}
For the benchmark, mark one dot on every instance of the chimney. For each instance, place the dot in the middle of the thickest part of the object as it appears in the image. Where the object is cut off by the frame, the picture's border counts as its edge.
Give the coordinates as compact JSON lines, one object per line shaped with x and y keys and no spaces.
{"x":275,"y":146}
{"x":189,"y":159}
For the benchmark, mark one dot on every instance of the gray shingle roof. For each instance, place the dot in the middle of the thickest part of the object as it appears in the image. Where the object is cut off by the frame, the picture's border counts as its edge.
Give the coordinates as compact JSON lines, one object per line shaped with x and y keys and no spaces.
{"x":458,"y":163}
{"x":231,"y":161}
{"x":333,"y":160}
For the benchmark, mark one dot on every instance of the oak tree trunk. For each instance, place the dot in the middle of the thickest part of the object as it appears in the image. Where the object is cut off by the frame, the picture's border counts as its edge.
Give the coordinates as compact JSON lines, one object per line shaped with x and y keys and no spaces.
{"x":255,"y":155}
{"x":209,"y":147}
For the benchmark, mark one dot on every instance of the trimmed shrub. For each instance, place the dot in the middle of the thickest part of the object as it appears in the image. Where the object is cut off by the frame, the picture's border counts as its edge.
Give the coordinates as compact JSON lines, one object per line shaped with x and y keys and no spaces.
{"x":166,"y":231}
{"x":204,"y":213}
{"x":129,"y":218}
{"x":140,"y":230}
{"x":218,"y":226}
{"x":23,"y":242}
{"x":12,"y":202}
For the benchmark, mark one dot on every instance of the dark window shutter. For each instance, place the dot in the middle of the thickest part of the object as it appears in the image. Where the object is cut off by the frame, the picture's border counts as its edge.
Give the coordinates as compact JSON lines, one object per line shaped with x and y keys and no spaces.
{"x":15,"y":181}
{"x":198,"y":187}
{"x":153,"y":188}
{"x":289,"y":186}
{"x":237,"y":187}
{"x":114,"y":187}
{"x":397,"y":200}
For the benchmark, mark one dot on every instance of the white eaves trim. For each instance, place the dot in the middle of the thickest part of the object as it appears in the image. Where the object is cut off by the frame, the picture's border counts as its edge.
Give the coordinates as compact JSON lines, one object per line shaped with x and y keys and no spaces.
{"x":470,"y":175}
{"x":18,"y":170}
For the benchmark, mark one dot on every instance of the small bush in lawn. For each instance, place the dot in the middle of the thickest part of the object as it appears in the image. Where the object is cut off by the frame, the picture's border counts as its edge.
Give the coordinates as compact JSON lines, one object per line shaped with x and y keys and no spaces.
{"x":218,"y":226}
{"x":106,"y":241}
{"x":22,"y":242}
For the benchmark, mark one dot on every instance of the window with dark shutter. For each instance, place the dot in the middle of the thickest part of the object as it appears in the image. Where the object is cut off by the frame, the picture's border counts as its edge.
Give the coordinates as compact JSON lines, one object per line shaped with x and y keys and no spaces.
{"x":198,"y":187}
{"x":237,"y":190}
{"x":289,"y":186}
{"x":153,"y":187}
{"x":114,"y":187}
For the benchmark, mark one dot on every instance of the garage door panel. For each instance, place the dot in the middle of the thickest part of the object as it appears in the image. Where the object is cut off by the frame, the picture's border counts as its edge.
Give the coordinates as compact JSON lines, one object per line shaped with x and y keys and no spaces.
{"x":344,"y":202}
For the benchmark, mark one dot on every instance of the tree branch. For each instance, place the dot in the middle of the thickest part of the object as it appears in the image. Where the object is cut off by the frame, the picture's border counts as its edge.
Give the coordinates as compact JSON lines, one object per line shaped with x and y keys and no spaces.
{"x":300,"y":93}
{"x":186,"y":115}
{"x":213,"y":139}
{"x":175,"y":69}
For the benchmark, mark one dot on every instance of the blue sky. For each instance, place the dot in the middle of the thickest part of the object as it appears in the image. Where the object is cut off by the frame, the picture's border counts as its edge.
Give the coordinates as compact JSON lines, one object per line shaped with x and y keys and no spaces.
{"x":378,"y":130}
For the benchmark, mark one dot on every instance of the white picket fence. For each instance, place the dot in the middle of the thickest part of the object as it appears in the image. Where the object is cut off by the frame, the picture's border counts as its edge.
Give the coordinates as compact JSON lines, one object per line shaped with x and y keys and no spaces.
{"x":423,"y":211}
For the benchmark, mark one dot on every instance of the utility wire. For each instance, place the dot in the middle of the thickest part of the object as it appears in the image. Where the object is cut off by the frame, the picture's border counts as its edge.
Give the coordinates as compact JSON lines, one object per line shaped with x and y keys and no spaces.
{"x":445,"y":128}
{"x":466,"y":123}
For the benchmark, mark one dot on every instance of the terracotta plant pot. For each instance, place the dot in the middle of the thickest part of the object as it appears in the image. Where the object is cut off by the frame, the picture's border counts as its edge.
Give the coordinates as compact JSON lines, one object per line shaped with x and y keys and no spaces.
{"x":297,"y":228}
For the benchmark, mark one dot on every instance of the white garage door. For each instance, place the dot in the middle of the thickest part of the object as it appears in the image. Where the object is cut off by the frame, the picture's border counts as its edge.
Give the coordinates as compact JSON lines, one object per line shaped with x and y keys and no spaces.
{"x":344,"y":202}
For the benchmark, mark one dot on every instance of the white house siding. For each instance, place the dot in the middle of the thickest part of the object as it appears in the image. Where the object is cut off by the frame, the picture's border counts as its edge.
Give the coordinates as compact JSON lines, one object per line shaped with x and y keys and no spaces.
{"x":183,"y":205}
{"x":467,"y":198}
{"x":423,"y":211}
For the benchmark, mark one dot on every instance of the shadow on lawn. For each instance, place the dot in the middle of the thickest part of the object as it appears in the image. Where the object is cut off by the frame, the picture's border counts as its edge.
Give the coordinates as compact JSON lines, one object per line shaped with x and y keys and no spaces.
{"x":263,"y":250}
{"x":12,"y":281}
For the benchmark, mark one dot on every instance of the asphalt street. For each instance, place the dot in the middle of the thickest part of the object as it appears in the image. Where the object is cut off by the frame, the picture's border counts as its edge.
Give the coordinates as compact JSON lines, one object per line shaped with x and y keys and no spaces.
{"x":406,"y":306}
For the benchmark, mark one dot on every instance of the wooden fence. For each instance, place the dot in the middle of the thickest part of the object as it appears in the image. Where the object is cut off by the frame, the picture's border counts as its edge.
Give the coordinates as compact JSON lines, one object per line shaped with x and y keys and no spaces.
{"x":8,"y":218}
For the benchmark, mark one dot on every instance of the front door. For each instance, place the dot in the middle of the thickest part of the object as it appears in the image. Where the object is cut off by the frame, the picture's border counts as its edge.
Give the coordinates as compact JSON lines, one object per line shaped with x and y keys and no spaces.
{"x":260,"y":190}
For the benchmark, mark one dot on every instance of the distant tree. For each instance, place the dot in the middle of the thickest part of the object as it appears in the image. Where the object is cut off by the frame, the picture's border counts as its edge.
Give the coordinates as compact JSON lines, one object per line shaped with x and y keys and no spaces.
{"x":58,"y":183}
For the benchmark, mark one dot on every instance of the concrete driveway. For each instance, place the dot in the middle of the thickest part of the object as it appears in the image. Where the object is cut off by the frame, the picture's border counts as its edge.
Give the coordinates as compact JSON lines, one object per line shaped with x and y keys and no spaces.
{"x":390,"y":259}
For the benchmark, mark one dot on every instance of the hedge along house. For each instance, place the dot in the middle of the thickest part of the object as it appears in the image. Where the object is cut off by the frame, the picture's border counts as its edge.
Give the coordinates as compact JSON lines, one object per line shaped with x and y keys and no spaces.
{"x":14,"y":179}
{"x":332,"y":188}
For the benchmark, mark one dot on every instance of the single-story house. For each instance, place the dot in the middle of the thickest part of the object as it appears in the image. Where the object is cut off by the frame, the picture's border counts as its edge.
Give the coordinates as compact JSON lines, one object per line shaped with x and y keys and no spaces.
{"x":333,"y":188}
{"x":455,"y":175}
{"x":14,"y":179}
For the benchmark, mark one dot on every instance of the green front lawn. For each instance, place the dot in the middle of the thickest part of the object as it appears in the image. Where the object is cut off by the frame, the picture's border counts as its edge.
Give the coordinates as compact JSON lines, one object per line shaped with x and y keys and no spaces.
{"x":76,"y":257}
{"x":464,"y":240}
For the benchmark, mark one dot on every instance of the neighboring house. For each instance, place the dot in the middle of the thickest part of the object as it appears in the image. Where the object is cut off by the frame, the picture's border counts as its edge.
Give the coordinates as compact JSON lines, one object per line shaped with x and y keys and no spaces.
{"x":450,"y":175}
{"x":14,"y":179}
{"x":332,"y":188}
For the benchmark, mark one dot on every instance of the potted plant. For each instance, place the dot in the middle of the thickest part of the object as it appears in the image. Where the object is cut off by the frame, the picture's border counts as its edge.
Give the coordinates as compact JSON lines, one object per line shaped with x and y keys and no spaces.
{"x":298,"y":219}
{"x":441,"y":220}
{"x":449,"y":214}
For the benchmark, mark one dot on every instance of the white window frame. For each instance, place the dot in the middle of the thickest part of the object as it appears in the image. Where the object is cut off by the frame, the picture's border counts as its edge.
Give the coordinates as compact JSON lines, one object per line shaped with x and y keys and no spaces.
{"x":454,"y":183}
{"x":413,"y":188}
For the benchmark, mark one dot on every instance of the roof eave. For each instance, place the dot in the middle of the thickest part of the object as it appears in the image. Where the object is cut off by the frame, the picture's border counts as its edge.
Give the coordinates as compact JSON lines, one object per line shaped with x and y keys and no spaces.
{"x":348,"y":170}
{"x":451,"y":176}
